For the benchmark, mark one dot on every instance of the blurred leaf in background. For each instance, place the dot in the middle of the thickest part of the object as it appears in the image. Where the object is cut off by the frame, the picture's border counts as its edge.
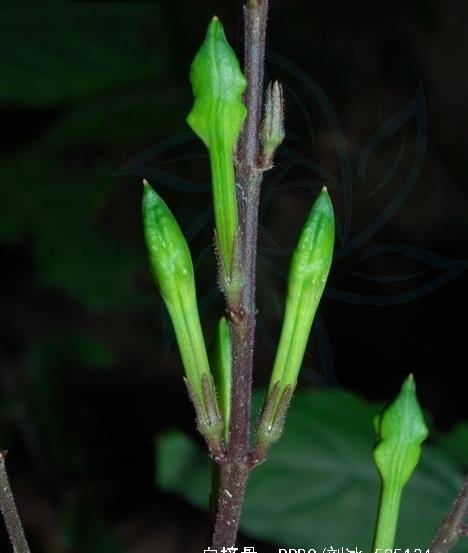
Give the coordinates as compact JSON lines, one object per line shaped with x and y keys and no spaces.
{"x":61,"y":424}
{"x":84,"y":529}
{"x":60,"y":53}
{"x":319,"y":486}
{"x":455,"y":444}
{"x":93,"y":72}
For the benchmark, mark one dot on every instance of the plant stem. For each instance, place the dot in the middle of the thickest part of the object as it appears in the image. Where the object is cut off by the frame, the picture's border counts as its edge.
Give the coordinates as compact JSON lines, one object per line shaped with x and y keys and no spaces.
{"x":234,"y":471}
{"x":9,"y":511}
{"x":388,"y":517}
{"x":455,"y":524}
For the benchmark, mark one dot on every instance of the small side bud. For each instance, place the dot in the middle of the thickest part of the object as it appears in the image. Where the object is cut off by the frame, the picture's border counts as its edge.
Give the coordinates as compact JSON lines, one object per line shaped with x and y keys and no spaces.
{"x":272,"y":134}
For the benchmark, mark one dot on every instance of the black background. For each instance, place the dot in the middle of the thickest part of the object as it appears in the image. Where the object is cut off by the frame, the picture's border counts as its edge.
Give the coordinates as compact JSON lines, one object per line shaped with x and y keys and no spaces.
{"x":370,"y":60}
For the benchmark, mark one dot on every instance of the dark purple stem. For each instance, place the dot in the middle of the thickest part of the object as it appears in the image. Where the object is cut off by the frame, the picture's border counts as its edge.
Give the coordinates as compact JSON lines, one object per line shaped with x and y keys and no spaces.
{"x":234,"y":472}
{"x":9,"y":511}
{"x":454,"y":526}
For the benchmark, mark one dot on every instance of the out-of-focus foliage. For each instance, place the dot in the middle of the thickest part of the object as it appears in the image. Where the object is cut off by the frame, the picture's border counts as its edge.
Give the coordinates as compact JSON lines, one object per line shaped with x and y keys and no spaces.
{"x":96,"y":68}
{"x":58,"y":208}
{"x":61,"y":427}
{"x":55,"y":428}
{"x":84,"y":529}
{"x":61,"y":52}
{"x":455,"y":444}
{"x":319,"y":485}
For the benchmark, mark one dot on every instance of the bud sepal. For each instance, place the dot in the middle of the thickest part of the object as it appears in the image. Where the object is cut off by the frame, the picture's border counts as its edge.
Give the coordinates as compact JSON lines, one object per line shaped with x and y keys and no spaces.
{"x":270,"y":424}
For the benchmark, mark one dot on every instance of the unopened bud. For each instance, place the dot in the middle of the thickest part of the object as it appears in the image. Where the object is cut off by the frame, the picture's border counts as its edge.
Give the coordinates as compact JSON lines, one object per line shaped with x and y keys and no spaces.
{"x":172,"y":269}
{"x":273,"y":122}
{"x":308,"y":274}
{"x":400,"y":431}
{"x":217,"y":117}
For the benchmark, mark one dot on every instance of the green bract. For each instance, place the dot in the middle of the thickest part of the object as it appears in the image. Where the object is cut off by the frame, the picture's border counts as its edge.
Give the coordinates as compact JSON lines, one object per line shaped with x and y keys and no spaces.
{"x":172,"y":269}
{"x":217,"y":118}
{"x":221,"y":363}
{"x":401,"y":430}
{"x":307,"y":277}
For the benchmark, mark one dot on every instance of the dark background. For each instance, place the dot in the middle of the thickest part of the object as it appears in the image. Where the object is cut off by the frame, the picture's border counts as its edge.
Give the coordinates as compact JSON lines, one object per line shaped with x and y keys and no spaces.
{"x":88,"y":371}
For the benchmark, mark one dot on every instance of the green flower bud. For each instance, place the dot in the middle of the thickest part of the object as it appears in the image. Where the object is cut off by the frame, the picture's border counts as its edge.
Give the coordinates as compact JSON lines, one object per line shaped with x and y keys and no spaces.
{"x":307,"y":277}
{"x":401,"y":430}
{"x":308,"y":273}
{"x":169,"y":253}
{"x":173,"y":273}
{"x":217,"y":117}
{"x":221,"y":363}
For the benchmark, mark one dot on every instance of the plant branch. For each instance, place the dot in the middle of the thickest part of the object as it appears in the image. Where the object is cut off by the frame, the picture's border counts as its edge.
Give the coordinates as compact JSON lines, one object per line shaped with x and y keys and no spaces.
{"x":234,"y":472}
{"x":455,"y":524}
{"x":255,"y":24}
{"x":10,"y":512}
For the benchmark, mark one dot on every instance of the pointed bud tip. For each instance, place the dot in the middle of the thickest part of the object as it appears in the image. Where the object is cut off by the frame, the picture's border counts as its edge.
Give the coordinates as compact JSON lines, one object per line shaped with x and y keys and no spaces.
{"x":409,"y":384}
{"x":150,"y":193}
{"x":215,"y":27}
{"x":323,"y":202}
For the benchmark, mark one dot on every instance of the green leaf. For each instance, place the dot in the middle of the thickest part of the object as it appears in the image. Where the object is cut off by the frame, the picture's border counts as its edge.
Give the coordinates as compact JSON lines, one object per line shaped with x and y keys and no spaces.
{"x":58,"y":52}
{"x":319,"y":486}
